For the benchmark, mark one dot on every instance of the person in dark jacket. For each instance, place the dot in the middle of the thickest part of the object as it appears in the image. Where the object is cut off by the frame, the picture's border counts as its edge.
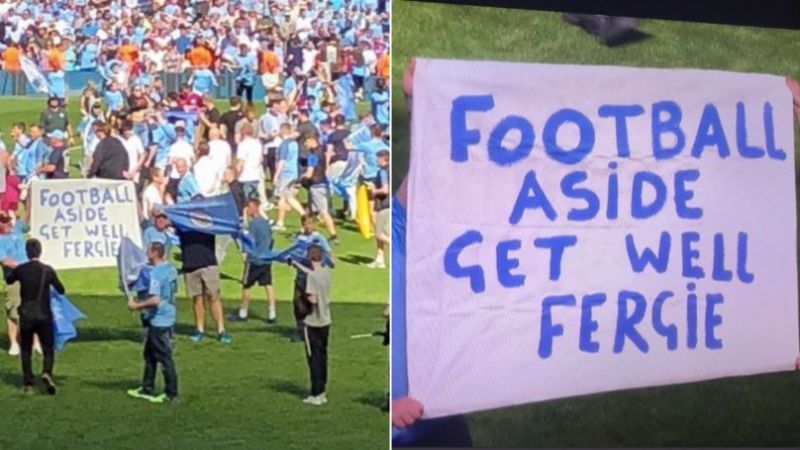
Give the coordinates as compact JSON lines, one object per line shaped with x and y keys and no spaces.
{"x":110,"y":159}
{"x":35,"y":314}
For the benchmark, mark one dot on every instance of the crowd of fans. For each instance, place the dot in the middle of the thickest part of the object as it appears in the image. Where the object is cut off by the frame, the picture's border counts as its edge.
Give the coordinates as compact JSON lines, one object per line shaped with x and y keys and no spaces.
{"x":316,"y":60}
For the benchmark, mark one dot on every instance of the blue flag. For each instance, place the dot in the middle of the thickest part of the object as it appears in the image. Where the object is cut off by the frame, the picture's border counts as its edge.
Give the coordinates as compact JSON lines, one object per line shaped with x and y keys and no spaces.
{"x":346,"y":97}
{"x":65,"y":314}
{"x":211,"y":215}
{"x":131,"y":259}
{"x":190,"y":119}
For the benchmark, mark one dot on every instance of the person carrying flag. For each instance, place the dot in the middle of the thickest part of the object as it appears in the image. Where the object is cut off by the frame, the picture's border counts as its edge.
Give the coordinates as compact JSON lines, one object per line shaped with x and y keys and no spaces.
{"x":35,"y":313}
{"x":201,"y":274}
{"x":258,"y":268}
{"x":158,"y":317}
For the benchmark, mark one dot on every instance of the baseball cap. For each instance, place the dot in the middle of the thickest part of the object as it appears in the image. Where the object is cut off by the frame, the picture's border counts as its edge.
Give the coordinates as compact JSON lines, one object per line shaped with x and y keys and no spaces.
{"x":56,"y":134}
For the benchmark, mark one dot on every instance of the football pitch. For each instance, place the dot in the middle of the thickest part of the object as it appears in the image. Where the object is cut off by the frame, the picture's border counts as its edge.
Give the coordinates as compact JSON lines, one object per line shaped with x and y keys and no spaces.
{"x":746,"y":411}
{"x":243,"y":395}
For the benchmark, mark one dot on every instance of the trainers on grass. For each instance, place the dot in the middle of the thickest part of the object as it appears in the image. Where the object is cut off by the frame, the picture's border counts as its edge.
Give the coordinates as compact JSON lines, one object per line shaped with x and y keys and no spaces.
{"x":14,"y":349}
{"x":377,"y":265}
{"x":197,"y":336}
{"x":224,"y":337}
{"x":312,"y":400}
{"x":139,"y":393}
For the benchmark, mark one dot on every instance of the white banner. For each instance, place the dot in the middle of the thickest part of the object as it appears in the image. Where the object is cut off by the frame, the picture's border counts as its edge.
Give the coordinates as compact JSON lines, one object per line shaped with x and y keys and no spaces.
{"x":81,"y":221}
{"x":580,"y":229}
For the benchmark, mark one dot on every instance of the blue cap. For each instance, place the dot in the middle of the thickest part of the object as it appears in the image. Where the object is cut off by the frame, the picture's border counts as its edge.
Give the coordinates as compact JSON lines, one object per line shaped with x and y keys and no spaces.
{"x":56,"y":134}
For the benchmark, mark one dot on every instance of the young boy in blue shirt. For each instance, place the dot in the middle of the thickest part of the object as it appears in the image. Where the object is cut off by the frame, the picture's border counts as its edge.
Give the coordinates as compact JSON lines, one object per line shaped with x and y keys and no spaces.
{"x":257,"y":269}
{"x":158,"y":316}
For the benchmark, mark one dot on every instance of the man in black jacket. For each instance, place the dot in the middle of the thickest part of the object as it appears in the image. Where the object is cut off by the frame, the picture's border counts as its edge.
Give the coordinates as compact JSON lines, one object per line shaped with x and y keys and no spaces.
{"x":35,"y":315}
{"x":110,"y":160}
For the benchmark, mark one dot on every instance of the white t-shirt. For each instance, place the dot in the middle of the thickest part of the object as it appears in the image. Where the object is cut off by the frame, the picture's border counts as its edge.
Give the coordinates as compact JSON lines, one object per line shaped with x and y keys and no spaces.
{"x":220,"y":152}
{"x":249,"y":151}
{"x":150,"y":197}
{"x":181,"y":149}
{"x":207,"y":176}
{"x":135,"y":149}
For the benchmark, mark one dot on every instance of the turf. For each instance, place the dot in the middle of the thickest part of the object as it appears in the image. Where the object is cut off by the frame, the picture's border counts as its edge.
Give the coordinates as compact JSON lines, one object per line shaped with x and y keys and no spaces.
{"x":751,"y":411}
{"x":245,"y":395}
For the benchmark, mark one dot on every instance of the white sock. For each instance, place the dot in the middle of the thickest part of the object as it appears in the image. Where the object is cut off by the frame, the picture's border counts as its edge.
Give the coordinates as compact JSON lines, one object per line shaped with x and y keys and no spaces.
{"x":271,"y":312}
{"x":242,"y":313}
{"x":379,"y":257}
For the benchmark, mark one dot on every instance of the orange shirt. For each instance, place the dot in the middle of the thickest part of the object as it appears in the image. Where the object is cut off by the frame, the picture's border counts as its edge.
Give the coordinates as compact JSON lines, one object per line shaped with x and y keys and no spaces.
{"x":55,"y":59}
{"x":200,"y":56}
{"x":269,"y":62}
{"x":383,"y":66}
{"x":11,"y":59}
{"x":128,"y":53}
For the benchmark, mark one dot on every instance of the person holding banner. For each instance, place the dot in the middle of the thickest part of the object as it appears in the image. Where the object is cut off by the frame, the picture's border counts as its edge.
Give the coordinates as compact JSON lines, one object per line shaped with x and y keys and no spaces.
{"x":110,"y":159}
{"x":201,"y":275}
{"x":35,"y":313}
{"x":159,"y":311}
{"x":258,"y":268}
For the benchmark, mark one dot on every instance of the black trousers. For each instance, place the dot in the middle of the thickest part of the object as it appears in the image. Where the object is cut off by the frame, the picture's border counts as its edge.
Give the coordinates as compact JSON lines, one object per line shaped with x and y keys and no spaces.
{"x":299,"y":311}
{"x":242,"y":88}
{"x":158,"y":350}
{"x":317,"y":357}
{"x":44,"y":329}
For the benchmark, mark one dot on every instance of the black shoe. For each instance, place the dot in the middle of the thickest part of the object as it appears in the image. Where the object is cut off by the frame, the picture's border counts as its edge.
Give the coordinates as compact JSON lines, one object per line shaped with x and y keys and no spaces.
{"x":272,"y":321}
{"x":235,"y":317}
{"x":27,"y":389}
{"x":297,"y":338}
{"x":49,"y":385}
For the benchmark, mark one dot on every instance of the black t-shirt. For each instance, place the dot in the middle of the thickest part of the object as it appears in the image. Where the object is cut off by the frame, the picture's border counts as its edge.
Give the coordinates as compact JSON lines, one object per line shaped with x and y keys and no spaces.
{"x":381,"y":200}
{"x":57,"y":159}
{"x":230,"y":119}
{"x":305,"y":130}
{"x":213,"y":116}
{"x":35,"y":280}
{"x":318,"y":171}
{"x":337,"y":140}
{"x":197,"y":250}
{"x":110,"y":159}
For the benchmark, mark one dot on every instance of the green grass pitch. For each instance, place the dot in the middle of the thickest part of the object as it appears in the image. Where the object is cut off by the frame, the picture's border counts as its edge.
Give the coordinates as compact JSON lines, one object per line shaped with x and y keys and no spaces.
{"x":245,"y":395}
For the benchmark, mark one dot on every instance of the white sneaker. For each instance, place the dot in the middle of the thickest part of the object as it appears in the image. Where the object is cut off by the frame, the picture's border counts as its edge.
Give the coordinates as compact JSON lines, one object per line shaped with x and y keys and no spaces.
{"x":314,"y":401}
{"x":279,"y":227}
{"x":377,"y":265}
{"x":14,"y":350}
{"x":268,"y":206}
{"x":38,"y":349}
{"x":323,"y":398}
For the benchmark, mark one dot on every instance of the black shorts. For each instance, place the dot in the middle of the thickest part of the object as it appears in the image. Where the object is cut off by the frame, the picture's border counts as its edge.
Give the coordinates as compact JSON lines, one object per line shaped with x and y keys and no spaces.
{"x":257,"y":274}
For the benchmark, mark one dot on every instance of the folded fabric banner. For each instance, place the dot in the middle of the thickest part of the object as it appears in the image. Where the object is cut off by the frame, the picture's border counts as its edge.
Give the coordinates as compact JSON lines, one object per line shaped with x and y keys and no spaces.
{"x":65,"y":314}
{"x":35,"y":77}
{"x":212,"y":215}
